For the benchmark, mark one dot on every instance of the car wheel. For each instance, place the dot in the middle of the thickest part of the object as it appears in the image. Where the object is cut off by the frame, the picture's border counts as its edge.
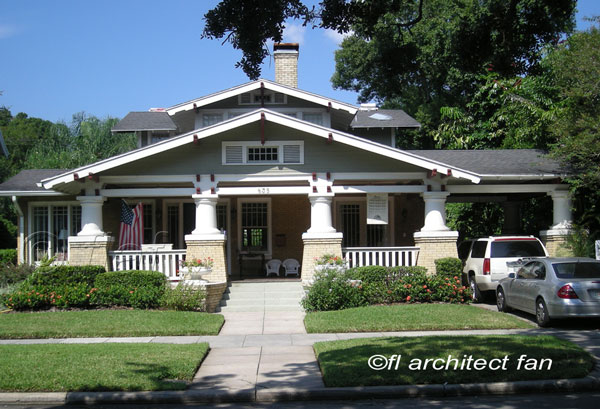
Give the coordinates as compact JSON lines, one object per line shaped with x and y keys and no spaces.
{"x":541,"y":313}
{"x":477,"y":295}
{"x":501,"y":300}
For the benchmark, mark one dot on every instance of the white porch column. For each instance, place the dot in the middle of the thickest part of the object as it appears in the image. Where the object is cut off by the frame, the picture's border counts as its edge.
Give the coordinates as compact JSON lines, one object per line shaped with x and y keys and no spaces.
{"x":435,"y":240}
{"x":555,"y":238}
{"x":91,"y":215}
{"x":91,"y":245}
{"x":562,"y":217}
{"x":435,"y":211}
{"x":206,"y":215}
{"x":320,"y":215}
{"x":206,"y":240}
{"x":321,"y":238}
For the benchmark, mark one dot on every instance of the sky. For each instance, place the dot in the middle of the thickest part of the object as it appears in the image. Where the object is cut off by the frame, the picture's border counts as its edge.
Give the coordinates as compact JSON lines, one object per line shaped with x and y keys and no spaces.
{"x":110,"y":57}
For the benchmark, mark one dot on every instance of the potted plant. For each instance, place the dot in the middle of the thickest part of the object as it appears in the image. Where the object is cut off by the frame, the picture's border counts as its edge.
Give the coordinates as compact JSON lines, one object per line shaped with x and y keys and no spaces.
{"x":195,"y":268}
{"x":329,"y":262}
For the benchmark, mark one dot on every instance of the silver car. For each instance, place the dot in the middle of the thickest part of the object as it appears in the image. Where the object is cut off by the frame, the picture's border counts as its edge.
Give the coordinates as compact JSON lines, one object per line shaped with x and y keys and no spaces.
{"x":553,"y":288}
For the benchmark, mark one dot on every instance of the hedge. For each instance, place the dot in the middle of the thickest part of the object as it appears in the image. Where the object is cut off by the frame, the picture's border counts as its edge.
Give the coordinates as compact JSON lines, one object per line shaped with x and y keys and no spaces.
{"x":132,"y":288}
{"x":448,"y":267}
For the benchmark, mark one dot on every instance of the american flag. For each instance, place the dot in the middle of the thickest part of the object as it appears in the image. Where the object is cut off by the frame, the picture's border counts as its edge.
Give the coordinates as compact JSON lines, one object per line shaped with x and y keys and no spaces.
{"x":131,"y":235}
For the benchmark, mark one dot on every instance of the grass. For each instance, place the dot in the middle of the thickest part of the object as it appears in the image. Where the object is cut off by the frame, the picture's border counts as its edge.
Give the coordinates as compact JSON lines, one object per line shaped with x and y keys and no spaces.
{"x":107,"y":323}
{"x":410,"y":317}
{"x":98,"y":367}
{"x":345,"y":363}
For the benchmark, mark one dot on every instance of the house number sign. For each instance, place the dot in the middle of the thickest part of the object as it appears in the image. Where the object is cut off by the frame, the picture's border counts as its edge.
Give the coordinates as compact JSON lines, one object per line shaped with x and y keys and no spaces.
{"x":263,"y":190}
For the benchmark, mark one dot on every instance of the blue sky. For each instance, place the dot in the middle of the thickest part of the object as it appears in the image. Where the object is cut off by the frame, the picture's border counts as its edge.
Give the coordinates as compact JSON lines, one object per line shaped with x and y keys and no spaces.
{"x":113,"y":56}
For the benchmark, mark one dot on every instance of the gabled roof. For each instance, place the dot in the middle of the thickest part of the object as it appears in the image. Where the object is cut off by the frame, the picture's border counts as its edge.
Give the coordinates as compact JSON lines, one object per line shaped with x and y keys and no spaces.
{"x":252,"y":117}
{"x":383,"y":118}
{"x":145,"y":121}
{"x":501,"y":162}
{"x":26,"y":182}
{"x":251,"y":86}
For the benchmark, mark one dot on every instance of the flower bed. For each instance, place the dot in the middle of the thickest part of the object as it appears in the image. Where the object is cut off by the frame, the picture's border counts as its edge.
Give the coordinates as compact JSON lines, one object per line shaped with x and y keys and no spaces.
{"x":333,"y":289}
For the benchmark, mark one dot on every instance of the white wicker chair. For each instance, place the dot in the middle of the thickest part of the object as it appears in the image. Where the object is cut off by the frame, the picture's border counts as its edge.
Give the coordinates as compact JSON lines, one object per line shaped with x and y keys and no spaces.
{"x":273,"y":266}
{"x":292,"y":267}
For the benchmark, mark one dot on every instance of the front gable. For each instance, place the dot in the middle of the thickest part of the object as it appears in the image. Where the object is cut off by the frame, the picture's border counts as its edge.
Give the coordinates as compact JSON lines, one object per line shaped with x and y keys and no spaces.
{"x":329,"y":150}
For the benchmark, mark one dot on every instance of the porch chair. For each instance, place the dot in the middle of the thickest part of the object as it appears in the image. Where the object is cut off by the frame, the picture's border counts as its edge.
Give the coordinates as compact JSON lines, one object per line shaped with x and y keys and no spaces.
{"x":272,"y":267}
{"x":292,"y":267}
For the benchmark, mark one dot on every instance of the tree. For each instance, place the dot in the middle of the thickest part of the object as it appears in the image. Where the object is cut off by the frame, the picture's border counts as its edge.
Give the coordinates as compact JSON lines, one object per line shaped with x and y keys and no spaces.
{"x":576,"y":69}
{"x":439,"y":61}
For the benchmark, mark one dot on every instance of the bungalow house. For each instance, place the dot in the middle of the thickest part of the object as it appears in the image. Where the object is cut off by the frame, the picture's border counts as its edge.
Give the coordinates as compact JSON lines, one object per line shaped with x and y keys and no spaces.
{"x":266,"y":170}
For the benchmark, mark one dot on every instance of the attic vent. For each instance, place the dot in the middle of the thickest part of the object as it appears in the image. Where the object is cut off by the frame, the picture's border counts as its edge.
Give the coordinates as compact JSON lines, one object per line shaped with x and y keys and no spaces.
{"x":291,"y":154}
{"x":380,"y":117}
{"x":233,"y":154}
{"x":246,"y":98}
{"x":279,"y":98}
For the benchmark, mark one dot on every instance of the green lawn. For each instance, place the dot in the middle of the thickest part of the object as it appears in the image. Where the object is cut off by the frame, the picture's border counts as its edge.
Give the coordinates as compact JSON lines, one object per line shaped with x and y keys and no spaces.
{"x":108,"y":323}
{"x":345,"y":363}
{"x":410,"y":317}
{"x":98,"y":367}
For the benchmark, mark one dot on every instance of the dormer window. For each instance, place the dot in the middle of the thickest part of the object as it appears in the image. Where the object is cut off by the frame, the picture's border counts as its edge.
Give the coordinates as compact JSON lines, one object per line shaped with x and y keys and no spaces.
{"x":211,"y":119}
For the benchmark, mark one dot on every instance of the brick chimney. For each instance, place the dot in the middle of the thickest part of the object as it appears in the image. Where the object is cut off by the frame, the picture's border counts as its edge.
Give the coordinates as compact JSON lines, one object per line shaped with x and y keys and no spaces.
{"x":286,"y":63}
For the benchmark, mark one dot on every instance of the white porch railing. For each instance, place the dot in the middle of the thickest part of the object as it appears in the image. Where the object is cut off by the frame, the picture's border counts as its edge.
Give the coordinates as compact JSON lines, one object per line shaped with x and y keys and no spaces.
{"x":380,"y":256}
{"x":165,"y":261}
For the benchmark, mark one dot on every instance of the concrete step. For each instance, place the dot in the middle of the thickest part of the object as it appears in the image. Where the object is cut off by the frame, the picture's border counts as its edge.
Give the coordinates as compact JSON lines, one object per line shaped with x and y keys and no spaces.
{"x":258,"y":308}
{"x":291,"y":302}
{"x":245,"y":296}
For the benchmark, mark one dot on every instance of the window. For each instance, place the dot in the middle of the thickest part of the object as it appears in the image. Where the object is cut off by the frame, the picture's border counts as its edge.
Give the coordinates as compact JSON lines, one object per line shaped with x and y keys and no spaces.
{"x":376,"y":235}
{"x":255,"y":97}
{"x":517,"y":248}
{"x":211,"y":119}
{"x":478,"y":250}
{"x":148,"y":223}
{"x":49,"y":229}
{"x":255,"y":229}
{"x":315,"y":118}
{"x":159,"y":136}
{"x":263,"y":154}
{"x":245,"y":152}
{"x":350,"y":214}
{"x":173,"y":225}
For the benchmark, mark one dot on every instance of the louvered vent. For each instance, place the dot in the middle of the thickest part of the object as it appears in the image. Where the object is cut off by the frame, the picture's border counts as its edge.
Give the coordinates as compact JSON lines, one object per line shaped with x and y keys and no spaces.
{"x":291,"y":153}
{"x":233,"y":154}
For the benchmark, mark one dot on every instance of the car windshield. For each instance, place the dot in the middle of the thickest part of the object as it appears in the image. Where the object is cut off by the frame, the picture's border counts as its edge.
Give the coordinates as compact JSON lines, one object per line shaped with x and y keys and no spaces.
{"x":517,"y":248}
{"x":577,"y":270}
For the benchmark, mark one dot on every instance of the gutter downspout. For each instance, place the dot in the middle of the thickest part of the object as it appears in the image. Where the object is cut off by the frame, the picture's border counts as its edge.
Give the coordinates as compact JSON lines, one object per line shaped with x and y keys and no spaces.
{"x":21,"y":230}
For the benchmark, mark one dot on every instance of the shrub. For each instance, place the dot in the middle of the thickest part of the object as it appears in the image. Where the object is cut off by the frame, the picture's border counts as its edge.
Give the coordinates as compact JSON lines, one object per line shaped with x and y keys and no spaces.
{"x":8,"y":256}
{"x":43,"y":297}
{"x":56,"y":276}
{"x":183,"y":298}
{"x":448,"y":267}
{"x":55,"y":286}
{"x":359,"y":286}
{"x":133,"y":288}
{"x":333,"y":290}
{"x":11,"y":274}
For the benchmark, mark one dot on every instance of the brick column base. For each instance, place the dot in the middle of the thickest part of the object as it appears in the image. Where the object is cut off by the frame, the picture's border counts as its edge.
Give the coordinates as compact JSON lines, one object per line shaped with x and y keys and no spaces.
{"x":214,"y":247}
{"x":90,"y":250}
{"x":435,"y":245}
{"x":315,"y":247}
{"x":555,"y":241}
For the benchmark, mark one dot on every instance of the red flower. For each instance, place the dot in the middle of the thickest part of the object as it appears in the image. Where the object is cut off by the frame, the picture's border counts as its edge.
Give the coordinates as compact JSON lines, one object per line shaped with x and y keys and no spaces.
{"x":408,"y":298}
{"x":130,"y":292}
{"x":424,"y":286}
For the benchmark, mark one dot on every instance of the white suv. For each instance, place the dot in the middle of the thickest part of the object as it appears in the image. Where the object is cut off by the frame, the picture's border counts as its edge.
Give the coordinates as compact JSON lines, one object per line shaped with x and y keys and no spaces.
{"x":485,"y":260}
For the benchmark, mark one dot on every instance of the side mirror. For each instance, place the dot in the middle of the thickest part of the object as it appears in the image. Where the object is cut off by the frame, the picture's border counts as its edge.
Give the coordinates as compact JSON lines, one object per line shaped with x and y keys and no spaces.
{"x":511,"y":275}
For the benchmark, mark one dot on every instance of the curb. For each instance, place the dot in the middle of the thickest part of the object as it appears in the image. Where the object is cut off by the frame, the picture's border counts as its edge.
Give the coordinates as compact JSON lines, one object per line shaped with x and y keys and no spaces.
{"x":589,"y":383}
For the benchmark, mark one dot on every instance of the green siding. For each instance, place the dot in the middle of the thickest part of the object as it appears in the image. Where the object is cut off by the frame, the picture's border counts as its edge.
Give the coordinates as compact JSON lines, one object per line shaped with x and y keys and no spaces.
{"x":205,"y":157}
